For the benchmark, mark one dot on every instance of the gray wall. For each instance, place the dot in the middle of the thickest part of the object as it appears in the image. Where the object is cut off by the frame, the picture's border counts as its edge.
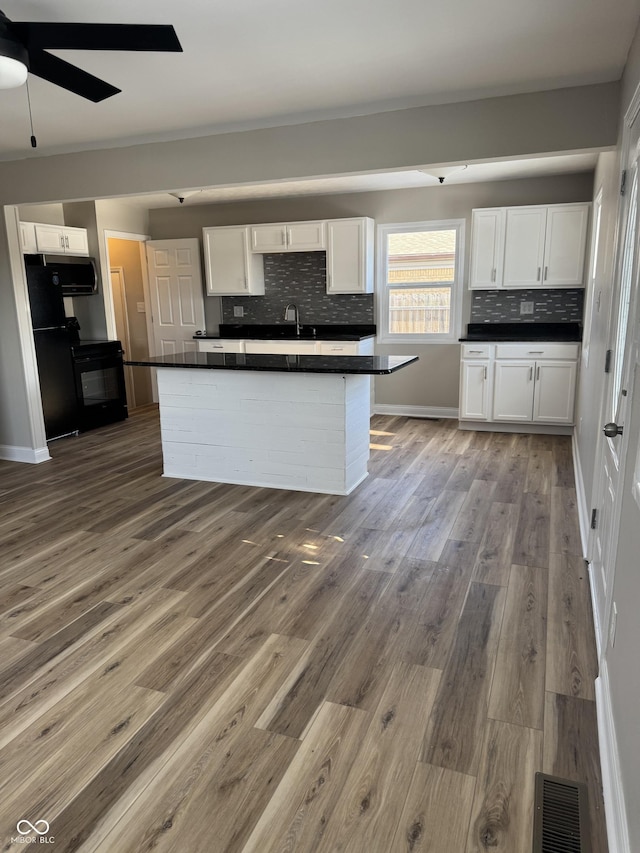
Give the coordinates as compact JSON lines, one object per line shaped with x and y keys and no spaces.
{"x":433,"y":381}
{"x":516,"y":125}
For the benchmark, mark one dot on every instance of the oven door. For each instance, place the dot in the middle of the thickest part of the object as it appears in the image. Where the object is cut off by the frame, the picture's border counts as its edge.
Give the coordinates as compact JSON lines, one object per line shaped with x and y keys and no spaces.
{"x":100,"y":390}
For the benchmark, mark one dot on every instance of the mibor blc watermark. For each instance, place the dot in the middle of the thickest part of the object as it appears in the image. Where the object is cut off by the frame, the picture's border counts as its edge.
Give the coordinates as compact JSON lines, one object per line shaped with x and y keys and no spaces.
{"x":24,"y":829}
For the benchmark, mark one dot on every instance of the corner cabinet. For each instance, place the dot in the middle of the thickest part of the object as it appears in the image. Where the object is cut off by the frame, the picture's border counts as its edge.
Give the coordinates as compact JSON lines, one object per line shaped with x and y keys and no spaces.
{"x":536,"y":246}
{"x":350,"y":255}
{"x":518,"y":384}
{"x":231,"y":269}
{"x":53,"y":239}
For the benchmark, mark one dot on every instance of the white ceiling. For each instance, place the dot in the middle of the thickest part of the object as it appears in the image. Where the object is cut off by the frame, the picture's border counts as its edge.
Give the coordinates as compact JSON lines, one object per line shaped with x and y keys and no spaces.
{"x":252,"y":63}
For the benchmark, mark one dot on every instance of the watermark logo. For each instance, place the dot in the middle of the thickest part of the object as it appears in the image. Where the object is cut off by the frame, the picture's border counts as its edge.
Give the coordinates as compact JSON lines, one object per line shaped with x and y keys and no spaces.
{"x":31,"y":827}
{"x":25,"y":828}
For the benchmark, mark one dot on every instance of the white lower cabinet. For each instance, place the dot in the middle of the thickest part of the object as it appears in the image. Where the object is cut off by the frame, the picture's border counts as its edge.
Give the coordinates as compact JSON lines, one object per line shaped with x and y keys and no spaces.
{"x":554,"y":393}
{"x":475,"y":390}
{"x":513,"y":391}
{"x":518,"y":383}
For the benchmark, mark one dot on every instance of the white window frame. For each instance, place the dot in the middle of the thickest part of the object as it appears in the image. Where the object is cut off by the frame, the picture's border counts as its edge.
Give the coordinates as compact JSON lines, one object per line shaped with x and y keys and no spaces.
{"x":382,"y":290}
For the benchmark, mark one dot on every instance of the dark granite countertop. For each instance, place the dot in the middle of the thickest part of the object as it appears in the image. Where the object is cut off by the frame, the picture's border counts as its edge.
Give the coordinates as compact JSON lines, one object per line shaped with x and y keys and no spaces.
{"x":349,"y":364}
{"x":287,"y":331}
{"x":561,"y":332}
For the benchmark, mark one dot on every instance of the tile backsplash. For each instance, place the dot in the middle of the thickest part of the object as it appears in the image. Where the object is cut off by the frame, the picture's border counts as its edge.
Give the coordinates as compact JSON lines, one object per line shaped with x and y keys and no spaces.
{"x":298,"y":277}
{"x":549,"y":306}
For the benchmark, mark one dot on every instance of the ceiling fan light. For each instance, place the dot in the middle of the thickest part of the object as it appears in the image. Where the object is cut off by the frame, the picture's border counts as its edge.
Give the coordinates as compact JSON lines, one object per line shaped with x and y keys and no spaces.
{"x":13,"y":73}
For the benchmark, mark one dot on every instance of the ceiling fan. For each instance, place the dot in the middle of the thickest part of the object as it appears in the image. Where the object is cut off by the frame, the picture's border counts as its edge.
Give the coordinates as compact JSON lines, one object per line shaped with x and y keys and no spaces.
{"x":24,"y":46}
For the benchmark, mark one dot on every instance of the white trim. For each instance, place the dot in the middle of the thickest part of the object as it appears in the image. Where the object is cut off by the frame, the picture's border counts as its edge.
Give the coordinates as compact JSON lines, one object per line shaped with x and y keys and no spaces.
{"x":581,"y":498}
{"x":527,"y":428}
{"x":415,"y":411}
{"x":612,"y":787}
{"x":12,"y":453}
{"x":27,"y":351}
{"x":457,"y":287}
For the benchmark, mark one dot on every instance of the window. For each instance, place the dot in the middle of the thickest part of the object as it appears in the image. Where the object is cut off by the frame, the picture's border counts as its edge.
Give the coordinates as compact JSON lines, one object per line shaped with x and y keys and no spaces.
{"x":420,"y":268}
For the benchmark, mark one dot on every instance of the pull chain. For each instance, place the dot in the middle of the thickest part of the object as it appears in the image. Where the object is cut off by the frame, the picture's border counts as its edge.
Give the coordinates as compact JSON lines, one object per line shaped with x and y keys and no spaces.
{"x":34,"y":143}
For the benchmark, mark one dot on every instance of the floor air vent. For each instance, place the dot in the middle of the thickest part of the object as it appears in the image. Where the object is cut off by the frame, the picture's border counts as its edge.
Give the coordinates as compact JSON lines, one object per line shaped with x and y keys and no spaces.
{"x":561,"y":821}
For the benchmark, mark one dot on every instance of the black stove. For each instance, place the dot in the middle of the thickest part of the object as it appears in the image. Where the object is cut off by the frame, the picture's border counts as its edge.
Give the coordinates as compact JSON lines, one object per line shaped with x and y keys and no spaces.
{"x":99,"y":379}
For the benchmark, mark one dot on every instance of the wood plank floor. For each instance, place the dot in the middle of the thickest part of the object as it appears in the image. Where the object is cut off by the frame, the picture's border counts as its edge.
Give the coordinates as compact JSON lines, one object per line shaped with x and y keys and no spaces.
{"x":200,"y":667}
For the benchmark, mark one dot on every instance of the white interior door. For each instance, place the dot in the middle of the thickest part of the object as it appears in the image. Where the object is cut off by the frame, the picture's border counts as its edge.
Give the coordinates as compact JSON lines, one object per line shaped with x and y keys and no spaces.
{"x":176,"y":293}
{"x":610,"y":461}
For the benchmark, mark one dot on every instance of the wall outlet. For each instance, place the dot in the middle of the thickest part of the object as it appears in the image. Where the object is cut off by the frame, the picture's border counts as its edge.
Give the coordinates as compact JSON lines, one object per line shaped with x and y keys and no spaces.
{"x":238,"y":311}
{"x":526,"y":307}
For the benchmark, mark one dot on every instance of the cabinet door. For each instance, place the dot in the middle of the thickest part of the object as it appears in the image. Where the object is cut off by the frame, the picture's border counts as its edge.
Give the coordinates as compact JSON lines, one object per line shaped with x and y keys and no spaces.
{"x":474,"y":391}
{"x":513,"y":391}
{"x":230,"y":268}
{"x":76,"y":241}
{"x":554,"y":392}
{"x":306,"y":236}
{"x":350,"y":256}
{"x":269,"y":238}
{"x":28,"y":238}
{"x":487,"y":248}
{"x":49,"y":238}
{"x":565,"y":245}
{"x":524,"y":246}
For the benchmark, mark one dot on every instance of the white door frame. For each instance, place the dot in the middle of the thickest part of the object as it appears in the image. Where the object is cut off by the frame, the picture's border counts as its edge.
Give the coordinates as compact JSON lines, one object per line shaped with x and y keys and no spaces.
{"x":603,"y":618}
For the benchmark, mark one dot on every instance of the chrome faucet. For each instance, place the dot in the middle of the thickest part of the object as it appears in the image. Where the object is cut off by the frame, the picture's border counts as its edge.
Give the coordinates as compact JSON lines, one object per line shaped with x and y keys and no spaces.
{"x":291,"y":313}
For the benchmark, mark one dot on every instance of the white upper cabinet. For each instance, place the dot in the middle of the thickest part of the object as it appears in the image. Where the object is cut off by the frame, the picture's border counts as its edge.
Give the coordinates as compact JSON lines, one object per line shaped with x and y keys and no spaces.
{"x":350,"y":255}
{"x":289,"y":237}
{"x":53,"y":239}
{"x":230,"y":267}
{"x":565,"y":245}
{"x":528,"y":247}
{"x":524,"y":246}
{"x":487,"y":247}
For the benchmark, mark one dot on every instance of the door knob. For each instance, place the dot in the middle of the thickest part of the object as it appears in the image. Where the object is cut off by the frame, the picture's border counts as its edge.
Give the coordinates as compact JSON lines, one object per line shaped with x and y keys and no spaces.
{"x":612,"y":430}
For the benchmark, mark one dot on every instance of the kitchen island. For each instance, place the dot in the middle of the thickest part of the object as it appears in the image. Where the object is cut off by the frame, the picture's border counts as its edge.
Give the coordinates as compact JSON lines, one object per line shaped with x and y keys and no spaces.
{"x":282,"y":421}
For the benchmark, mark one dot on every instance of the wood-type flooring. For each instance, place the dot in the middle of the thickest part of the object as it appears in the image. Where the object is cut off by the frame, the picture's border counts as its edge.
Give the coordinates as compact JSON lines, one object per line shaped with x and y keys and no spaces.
{"x":200,"y":667}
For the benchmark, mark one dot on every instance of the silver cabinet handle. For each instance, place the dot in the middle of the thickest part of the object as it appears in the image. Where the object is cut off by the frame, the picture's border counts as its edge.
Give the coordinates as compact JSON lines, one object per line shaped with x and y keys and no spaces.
{"x":537,"y":373}
{"x":493,"y":274}
{"x":246,"y":283}
{"x":538,"y":276}
{"x":536,"y":352}
{"x":62,"y":241}
{"x":485,"y":372}
{"x":285,"y":237}
{"x":530,"y":373}
{"x":475,"y":352}
{"x":546,"y":273}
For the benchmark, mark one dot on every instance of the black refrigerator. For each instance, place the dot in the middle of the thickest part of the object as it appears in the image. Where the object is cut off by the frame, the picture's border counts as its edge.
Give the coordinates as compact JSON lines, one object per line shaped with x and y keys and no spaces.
{"x":53,"y":351}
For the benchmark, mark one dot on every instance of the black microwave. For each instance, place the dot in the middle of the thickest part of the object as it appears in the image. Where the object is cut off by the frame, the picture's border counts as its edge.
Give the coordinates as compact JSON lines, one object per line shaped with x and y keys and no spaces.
{"x":75,"y":276}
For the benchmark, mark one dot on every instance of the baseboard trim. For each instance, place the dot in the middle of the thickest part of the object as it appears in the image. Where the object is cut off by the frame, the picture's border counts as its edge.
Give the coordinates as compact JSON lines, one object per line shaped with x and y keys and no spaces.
{"x":525,"y":428}
{"x":614,"y":805}
{"x":583,"y":509}
{"x":415,"y":411}
{"x":11,"y":453}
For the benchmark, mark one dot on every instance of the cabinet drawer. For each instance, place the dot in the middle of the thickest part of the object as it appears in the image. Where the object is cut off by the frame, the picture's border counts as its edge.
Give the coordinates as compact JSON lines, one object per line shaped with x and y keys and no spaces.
{"x":537,"y":351}
{"x":345,"y":348}
{"x":221,"y":346}
{"x":280,"y":347}
{"x":472,"y":351}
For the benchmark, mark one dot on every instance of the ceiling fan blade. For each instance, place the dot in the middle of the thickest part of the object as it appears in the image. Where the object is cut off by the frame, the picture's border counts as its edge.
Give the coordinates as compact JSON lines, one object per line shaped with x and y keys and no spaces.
{"x":160,"y":37}
{"x":70,"y":77}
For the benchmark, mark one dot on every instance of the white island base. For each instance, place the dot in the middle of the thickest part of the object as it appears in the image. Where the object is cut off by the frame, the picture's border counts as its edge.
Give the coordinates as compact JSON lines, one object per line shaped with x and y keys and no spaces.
{"x":302,"y":431}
